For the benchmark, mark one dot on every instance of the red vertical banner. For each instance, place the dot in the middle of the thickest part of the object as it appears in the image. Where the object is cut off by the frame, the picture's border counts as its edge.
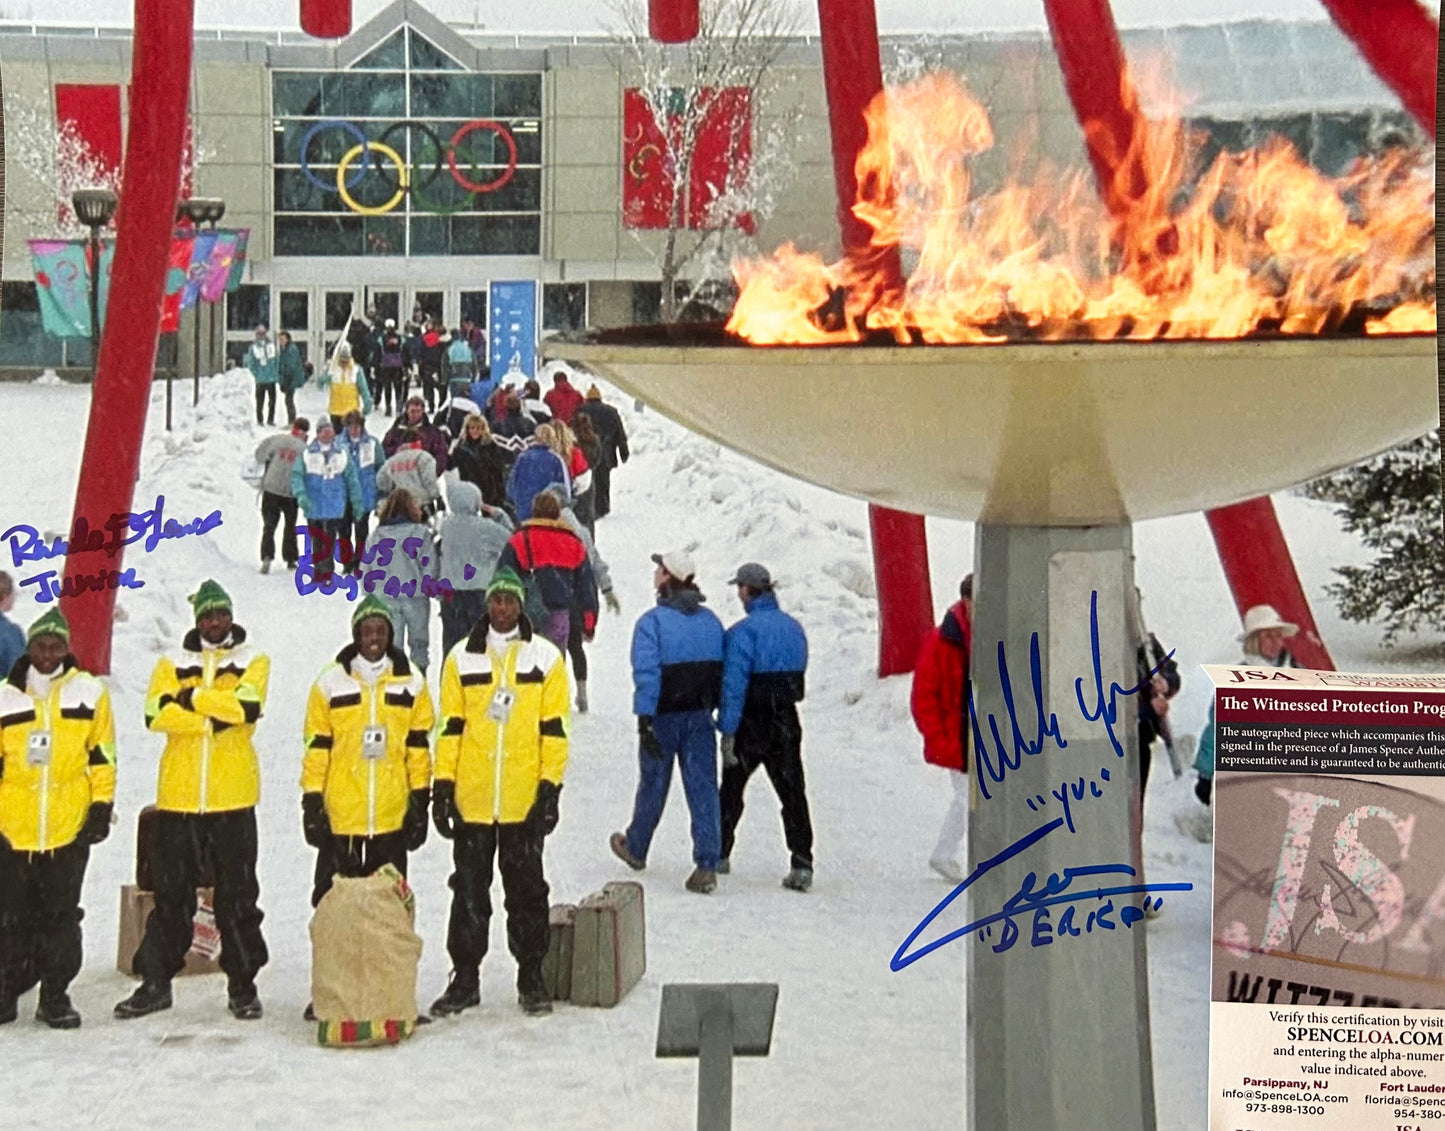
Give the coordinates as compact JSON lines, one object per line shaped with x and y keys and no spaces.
{"x":88,"y":138}
{"x":721,"y":153}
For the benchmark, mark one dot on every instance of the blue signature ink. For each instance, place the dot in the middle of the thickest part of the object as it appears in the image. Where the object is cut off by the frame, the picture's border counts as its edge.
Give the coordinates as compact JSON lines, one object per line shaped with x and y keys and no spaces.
{"x":1027,"y":900}
{"x":379,"y":552}
{"x":1038,"y":801}
{"x":1011,"y":759}
{"x":125,"y":527}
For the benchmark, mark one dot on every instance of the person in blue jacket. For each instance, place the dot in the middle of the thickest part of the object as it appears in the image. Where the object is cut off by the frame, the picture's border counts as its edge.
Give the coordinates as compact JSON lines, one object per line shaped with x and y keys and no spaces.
{"x":677,"y":662}
{"x":536,"y":469}
{"x":764,"y":658}
{"x":366,"y":454}
{"x":324,"y":481}
{"x":12,"y":638}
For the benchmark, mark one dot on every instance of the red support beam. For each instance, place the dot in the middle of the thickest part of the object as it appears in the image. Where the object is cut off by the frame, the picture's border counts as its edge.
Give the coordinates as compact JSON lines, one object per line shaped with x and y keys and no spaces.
{"x":326,"y":19}
{"x":1251,"y":545}
{"x":853,"y":76}
{"x":1400,"y":42}
{"x":160,"y":87}
{"x":672,"y":21}
{"x":1260,"y":571}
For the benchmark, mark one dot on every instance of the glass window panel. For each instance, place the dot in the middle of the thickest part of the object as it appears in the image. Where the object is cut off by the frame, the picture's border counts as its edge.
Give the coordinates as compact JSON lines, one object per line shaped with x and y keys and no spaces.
{"x":496,"y":235}
{"x":429,"y":235}
{"x":646,"y":303}
{"x":389,"y":55}
{"x":387,"y":304}
{"x":248,"y":305}
{"x":450,"y":96}
{"x":295,"y":310}
{"x":385,"y":235}
{"x":294,"y":193}
{"x":375,"y":95}
{"x":296,"y":94}
{"x":523,"y":193}
{"x":317,"y":235}
{"x":474,"y":306}
{"x":236,"y":353}
{"x":327,"y":146}
{"x":564,"y":306}
{"x":442,"y":196}
{"x":23,"y":340}
{"x":338,"y":306}
{"x":425,"y":56}
{"x":430,"y":303}
{"x":529,"y":142}
{"x":517,"y":96}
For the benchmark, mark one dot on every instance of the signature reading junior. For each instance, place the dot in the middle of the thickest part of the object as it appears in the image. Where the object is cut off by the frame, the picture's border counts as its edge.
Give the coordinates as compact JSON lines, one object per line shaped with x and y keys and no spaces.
{"x":1094,"y":706}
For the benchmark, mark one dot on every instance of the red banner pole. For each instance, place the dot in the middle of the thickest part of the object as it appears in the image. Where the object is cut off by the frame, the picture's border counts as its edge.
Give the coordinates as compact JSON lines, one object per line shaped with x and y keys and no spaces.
{"x":853,"y":76}
{"x":1401,"y":43}
{"x":160,"y":87}
{"x":1251,"y":545}
{"x":672,"y":21}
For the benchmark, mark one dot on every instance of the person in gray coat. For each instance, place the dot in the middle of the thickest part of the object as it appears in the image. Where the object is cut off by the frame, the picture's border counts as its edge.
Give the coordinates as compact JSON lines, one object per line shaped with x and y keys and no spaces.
{"x":278,"y":455}
{"x":410,"y":556}
{"x":603,"y":575}
{"x":472,"y":536}
{"x":411,"y":468}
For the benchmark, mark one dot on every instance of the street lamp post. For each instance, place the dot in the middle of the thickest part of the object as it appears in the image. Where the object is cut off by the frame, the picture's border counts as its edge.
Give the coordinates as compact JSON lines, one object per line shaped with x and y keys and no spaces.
{"x":94,"y":207}
{"x":201,"y":210}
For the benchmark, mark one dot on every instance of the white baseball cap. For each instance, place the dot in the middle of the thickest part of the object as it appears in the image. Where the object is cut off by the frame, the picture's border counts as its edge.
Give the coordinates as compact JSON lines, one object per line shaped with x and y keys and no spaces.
{"x":1261,"y":617}
{"x":679,"y":563}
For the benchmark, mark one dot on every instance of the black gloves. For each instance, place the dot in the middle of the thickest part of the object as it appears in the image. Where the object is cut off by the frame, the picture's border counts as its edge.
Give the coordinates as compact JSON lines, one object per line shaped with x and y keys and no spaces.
{"x":542,"y":816}
{"x":314,"y":825}
{"x":648,"y":737}
{"x":413,"y":825}
{"x":444,"y":813}
{"x":184,"y":697}
{"x":97,"y":823}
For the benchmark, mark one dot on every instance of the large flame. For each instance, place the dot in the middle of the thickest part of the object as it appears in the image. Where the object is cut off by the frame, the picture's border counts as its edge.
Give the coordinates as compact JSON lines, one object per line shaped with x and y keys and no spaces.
{"x":1259,"y":241}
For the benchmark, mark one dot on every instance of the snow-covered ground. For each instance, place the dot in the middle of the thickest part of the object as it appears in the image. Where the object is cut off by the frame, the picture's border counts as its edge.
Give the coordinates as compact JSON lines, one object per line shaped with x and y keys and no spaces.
{"x":854,"y":1046}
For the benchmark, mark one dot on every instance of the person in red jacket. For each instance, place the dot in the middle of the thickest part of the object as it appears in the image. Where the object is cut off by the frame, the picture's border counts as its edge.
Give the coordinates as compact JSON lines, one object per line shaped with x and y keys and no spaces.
{"x":553,"y":563}
{"x":940,"y":711}
{"x":562,"y":398}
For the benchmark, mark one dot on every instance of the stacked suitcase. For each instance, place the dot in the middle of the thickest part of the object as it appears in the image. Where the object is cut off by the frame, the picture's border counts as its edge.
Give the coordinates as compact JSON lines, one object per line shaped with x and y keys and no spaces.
{"x":597,"y":949}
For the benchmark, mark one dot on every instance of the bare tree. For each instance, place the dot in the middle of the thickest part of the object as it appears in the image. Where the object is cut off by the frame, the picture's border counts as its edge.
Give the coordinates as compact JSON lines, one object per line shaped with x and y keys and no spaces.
{"x":684,"y":86}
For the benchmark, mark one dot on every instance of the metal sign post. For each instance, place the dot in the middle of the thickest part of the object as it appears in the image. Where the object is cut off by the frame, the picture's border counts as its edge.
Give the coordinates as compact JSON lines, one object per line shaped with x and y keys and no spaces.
{"x":715,"y":1023}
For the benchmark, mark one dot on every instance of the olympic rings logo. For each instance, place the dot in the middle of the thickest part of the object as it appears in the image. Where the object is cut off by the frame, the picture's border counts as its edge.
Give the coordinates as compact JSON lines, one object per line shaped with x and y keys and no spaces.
{"x":403,"y":179}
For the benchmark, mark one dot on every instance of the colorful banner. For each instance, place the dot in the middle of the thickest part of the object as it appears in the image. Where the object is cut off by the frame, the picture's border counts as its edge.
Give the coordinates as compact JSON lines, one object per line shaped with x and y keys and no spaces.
{"x":202,"y":245}
{"x":721,"y":153}
{"x":62,"y":285}
{"x":238,"y":261}
{"x":218,"y":270}
{"x":176,"y":271}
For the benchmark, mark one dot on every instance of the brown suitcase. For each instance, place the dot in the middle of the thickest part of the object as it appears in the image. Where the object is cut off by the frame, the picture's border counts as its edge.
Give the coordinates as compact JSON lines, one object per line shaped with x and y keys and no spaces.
{"x":135,"y":909}
{"x":609,"y":950}
{"x":557,"y":965}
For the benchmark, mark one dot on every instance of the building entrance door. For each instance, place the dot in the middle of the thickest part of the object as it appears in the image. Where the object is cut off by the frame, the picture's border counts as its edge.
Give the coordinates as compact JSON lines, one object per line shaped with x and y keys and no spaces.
{"x":336,"y":306}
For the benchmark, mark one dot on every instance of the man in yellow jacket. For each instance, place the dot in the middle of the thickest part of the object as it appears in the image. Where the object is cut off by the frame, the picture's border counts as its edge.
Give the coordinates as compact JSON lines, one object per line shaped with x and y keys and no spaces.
{"x":366,"y":774}
{"x":57,"y":788}
{"x":205,"y":699}
{"x":500,"y":757}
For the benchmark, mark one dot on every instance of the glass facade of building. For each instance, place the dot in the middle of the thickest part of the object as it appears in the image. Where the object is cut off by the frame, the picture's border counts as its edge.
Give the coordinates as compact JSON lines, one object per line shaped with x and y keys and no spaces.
{"x":470,"y":144}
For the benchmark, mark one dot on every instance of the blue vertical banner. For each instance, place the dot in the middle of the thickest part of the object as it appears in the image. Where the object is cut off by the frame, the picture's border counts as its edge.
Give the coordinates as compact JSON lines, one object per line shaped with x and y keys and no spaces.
{"x":513,"y":331}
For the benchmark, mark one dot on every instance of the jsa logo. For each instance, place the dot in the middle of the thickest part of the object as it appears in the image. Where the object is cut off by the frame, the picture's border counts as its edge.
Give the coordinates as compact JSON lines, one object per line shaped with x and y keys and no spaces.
{"x":1247,"y":674}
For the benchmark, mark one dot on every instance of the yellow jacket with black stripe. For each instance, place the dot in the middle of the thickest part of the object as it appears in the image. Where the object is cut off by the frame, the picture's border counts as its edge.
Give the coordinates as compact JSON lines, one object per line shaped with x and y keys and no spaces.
{"x":367,"y":796}
{"x":43,"y":804}
{"x":497,"y":765}
{"x":206,"y":702}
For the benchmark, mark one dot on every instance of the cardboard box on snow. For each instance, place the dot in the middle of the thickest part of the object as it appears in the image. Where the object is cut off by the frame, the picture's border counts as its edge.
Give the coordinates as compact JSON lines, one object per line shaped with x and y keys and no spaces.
{"x":135,"y":908}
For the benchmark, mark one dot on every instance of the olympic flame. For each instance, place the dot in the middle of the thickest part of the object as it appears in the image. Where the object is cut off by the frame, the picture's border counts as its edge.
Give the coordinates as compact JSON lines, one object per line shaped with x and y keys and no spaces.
{"x":1260,"y":241}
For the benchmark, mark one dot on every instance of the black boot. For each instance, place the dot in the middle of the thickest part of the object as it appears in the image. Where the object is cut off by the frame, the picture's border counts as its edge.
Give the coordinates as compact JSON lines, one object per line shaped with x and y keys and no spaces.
{"x":243,"y":1002}
{"x":535,"y":1000}
{"x":150,"y":997}
{"x":56,"y":1011}
{"x":461,"y":993}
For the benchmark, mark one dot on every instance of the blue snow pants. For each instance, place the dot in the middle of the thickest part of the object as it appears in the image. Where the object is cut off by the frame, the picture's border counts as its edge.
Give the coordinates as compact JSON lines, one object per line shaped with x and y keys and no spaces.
{"x":687,"y":737}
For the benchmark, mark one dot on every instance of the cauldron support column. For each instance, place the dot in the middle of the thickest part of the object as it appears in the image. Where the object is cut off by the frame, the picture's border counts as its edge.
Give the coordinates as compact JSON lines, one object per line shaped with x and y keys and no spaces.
{"x":1058,"y":1034}
{"x":853,"y":75}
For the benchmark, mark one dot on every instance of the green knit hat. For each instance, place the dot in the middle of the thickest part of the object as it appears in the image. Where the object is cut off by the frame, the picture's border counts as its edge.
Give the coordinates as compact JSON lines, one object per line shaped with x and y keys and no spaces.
{"x":507,"y":581}
{"x":208,"y":598}
{"x":371,"y":606}
{"x":51,"y":624}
